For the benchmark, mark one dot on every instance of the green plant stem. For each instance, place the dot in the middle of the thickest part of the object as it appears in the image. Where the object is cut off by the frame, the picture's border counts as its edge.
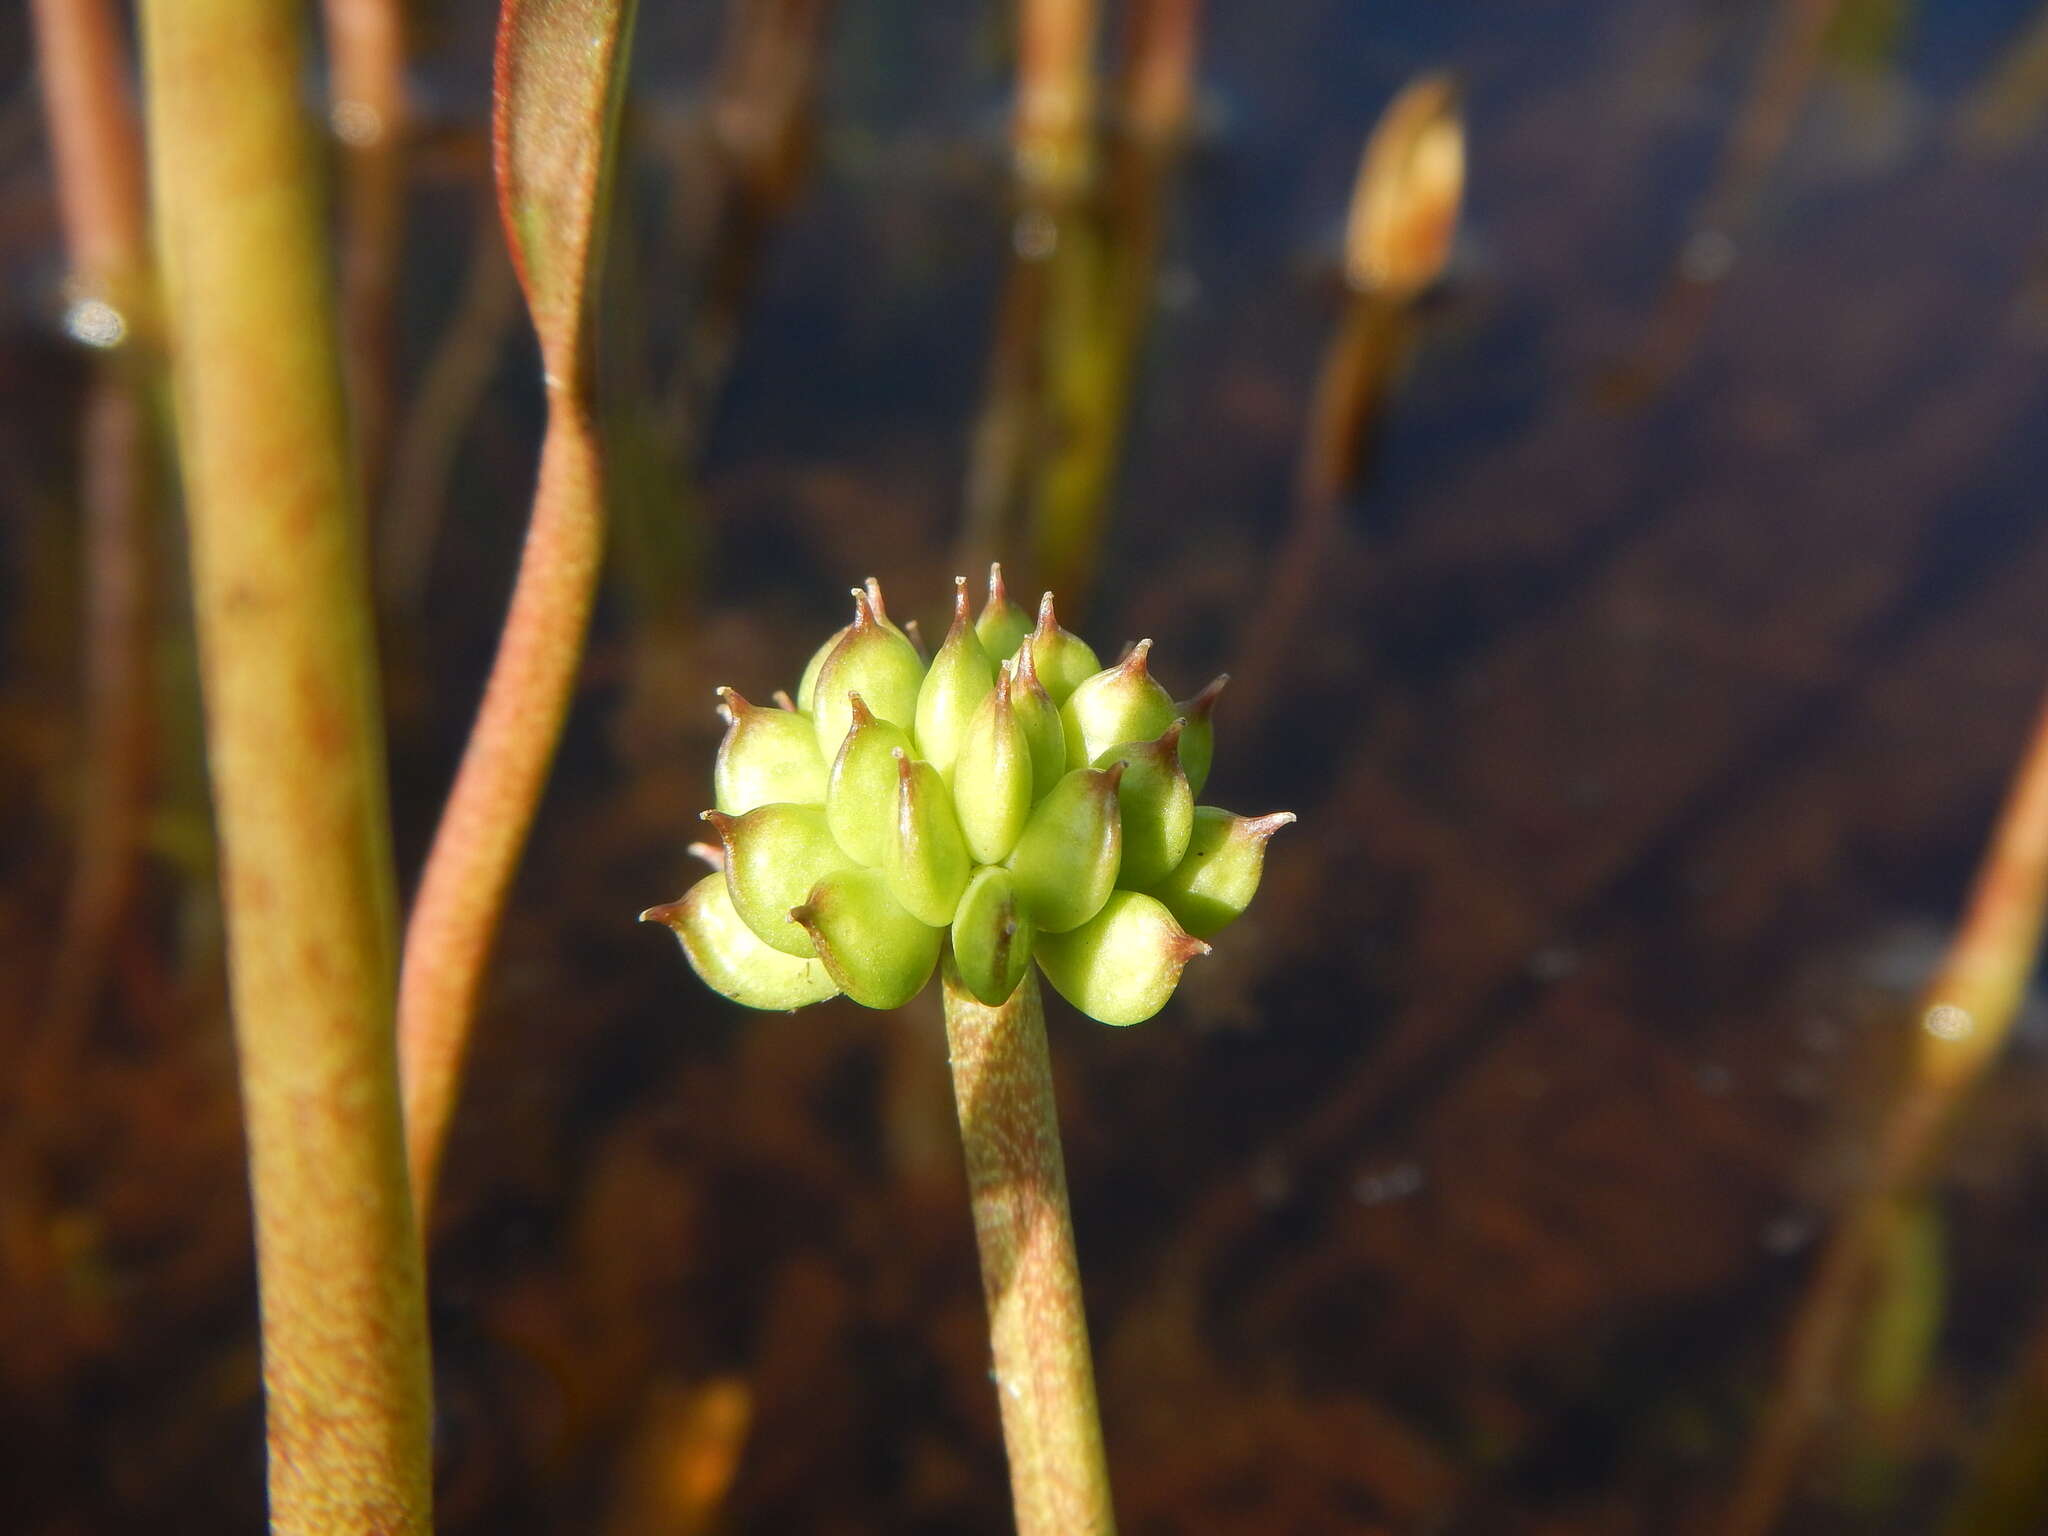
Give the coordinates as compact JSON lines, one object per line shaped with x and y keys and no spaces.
{"x":1099,"y":303}
{"x":296,"y":759}
{"x":1965,"y":1016}
{"x":1045,"y":1381}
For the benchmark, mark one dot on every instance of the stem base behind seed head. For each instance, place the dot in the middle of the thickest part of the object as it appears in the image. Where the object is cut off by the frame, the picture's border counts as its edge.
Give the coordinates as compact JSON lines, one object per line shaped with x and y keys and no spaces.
{"x":1045,"y":1382}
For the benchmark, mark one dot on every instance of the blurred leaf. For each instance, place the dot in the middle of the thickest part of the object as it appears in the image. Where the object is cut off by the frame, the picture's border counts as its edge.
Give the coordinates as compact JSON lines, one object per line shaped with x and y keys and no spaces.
{"x":1904,"y":1322}
{"x":560,"y":75}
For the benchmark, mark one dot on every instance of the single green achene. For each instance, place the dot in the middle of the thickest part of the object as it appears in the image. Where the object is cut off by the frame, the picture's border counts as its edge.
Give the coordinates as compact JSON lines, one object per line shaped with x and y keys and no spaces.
{"x":1011,"y":794}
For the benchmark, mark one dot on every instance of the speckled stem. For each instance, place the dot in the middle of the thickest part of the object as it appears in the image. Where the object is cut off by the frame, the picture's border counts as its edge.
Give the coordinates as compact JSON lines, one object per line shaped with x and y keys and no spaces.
{"x":1045,"y":1381}
{"x":295,"y":751}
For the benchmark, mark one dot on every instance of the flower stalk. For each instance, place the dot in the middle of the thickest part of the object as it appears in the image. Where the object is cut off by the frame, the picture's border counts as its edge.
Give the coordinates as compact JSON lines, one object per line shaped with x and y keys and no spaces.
{"x":295,"y":753}
{"x":1009,"y":804}
{"x":1031,"y":1279}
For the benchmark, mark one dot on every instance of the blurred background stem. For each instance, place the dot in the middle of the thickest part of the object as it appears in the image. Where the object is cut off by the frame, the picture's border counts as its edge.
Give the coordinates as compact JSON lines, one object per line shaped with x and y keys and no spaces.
{"x":1052,"y":138}
{"x":367,"y":114}
{"x":1031,"y":1279}
{"x":1093,"y":204}
{"x":1964,"y":1018}
{"x":96,"y":144}
{"x":1403,"y":219}
{"x":295,"y":752}
{"x":1791,"y":58}
{"x":1103,"y":276}
{"x":1053,"y":131}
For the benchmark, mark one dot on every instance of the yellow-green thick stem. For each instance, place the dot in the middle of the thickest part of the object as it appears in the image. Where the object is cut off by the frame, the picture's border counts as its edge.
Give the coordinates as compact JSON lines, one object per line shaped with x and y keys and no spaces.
{"x":296,"y":758}
{"x":1045,"y":1381}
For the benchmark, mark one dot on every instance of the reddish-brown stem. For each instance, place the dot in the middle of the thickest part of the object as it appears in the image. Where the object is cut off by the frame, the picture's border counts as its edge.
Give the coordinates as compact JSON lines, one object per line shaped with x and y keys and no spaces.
{"x":1159,"y":69}
{"x":366,"y":110}
{"x":1031,"y":1279}
{"x":556,"y":97}
{"x":1054,"y":126}
{"x":96,"y":143}
{"x":1965,"y":1016}
{"x":477,"y":845}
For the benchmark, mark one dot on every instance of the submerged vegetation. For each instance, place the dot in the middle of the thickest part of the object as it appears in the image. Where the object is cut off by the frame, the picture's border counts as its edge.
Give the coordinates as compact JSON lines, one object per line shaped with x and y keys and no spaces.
{"x":1559,"y":1143}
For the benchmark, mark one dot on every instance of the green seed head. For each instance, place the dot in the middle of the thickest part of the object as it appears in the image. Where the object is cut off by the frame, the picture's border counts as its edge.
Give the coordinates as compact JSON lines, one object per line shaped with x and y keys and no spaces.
{"x":1198,"y":741}
{"x":992,"y":936}
{"x":1119,"y":704}
{"x":773,"y":855}
{"x":1122,"y":965}
{"x":1156,"y":806}
{"x":992,"y":777}
{"x":1011,"y":798}
{"x":768,"y":755}
{"x":807,"y":686}
{"x":874,"y":660}
{"x":728,"y":955}
{"x":926,"y":860}
{"x":1002,"y":625}
{"x":960,"y":677}
{"x":1040,"y":718}
{"x":1219,"y":874}
{"x":1066,"y":860}
{"x":1064,"y":661}
{"x":860,"y":797}
{"x":879,"y":954}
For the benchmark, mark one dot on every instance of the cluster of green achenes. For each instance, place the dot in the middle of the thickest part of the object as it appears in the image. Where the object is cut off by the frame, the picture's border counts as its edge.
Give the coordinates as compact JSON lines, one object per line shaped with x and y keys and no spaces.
{"x":1013,"y":793}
